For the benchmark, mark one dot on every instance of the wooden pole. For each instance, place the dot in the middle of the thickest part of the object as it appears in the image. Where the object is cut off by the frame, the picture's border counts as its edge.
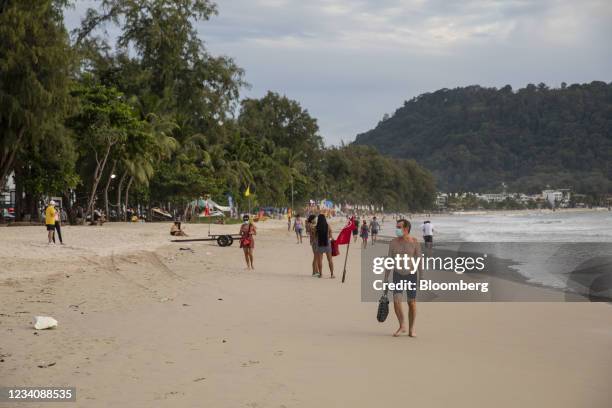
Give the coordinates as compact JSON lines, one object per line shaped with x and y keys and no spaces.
{"x":345,"y":258}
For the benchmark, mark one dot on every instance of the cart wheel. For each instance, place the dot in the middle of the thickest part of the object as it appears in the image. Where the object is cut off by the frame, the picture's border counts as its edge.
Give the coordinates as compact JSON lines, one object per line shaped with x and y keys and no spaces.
{"x":230,"y":240}
{"x":223,"y":241}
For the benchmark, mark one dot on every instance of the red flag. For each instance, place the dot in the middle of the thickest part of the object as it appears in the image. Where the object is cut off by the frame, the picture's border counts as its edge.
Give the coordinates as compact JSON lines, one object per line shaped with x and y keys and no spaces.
{"x":344,"y":237}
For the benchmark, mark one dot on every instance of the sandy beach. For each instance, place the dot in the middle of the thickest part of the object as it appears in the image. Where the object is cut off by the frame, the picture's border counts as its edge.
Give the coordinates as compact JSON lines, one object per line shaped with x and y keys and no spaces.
{"x":144,"y":322}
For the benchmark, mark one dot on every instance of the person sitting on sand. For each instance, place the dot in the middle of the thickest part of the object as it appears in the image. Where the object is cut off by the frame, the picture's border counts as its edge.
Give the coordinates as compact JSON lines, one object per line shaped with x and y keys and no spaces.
{"x":247,"y":240}
{"x":402,"y":244}
{"x":176,"y":231}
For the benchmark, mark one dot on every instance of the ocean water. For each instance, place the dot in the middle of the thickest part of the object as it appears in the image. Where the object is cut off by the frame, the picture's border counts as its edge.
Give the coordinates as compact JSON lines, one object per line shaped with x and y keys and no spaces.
{"x":547,"y":248}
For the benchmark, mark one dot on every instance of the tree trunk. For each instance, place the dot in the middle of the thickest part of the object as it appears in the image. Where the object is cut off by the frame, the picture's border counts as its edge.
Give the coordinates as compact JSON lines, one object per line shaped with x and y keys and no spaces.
{"x":6,"y":162}
{"x":127,"y":196}
{"x":19,"y":205}
{"x":108,"y":182}
{"x":97,"y":176}
{"x":119,"y":190}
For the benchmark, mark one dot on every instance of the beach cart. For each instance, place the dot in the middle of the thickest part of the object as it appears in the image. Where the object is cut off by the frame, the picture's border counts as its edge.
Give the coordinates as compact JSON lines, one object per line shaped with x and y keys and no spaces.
{"x":223,"y":240}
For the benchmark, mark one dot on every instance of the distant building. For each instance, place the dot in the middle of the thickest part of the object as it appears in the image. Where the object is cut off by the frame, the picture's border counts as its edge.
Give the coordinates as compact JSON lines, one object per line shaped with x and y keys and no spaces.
{"x":441,"y":200}
{"x":493,"y":197}
{"x":558,"y":198}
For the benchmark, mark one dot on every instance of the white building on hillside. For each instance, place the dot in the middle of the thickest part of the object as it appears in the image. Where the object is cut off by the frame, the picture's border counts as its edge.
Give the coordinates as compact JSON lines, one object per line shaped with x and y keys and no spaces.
{"x":557,"y":198}
{"x":441,"y":200}
{"x":493,"y":197}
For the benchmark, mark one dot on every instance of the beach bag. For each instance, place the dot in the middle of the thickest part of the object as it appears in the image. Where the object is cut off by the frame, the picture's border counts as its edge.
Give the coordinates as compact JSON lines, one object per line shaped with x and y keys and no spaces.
{"x":383,"y":308}
{"x":335,"y":248}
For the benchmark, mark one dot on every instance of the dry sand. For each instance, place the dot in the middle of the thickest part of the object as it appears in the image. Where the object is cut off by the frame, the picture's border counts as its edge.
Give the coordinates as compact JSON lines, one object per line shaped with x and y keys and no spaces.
{"x":145,"y":324}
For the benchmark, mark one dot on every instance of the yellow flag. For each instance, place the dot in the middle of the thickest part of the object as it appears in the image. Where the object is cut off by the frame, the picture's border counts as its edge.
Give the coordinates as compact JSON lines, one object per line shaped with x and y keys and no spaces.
{"x":247,"y":192}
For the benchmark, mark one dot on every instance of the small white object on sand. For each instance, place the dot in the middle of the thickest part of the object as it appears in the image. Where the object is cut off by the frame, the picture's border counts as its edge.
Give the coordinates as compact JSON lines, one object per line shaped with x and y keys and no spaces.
{"x":44,"y":322}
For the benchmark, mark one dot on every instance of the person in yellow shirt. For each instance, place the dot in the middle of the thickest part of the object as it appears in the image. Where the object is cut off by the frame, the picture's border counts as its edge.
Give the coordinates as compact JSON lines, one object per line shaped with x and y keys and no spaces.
{"x":50,"y":221}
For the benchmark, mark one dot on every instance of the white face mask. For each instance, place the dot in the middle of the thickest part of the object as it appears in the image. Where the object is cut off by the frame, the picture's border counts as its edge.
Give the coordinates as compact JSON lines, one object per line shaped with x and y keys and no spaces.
{"x":399,"y":232}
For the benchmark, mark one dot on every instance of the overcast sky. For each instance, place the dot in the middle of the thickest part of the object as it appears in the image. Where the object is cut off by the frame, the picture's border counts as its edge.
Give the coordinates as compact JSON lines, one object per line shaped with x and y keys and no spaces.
{"x":351,"y":61}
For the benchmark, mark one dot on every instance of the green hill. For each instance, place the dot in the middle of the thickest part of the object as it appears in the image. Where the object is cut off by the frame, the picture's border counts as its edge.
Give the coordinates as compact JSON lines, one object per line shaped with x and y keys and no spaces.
{"x":475,"y":138}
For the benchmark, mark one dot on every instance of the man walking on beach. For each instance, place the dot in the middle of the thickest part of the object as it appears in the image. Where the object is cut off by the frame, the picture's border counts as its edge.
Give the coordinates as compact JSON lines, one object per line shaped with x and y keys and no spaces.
{"x":404,"y":244}
{"x":50,"y":221}
{"x":374,"y":228}
{"x":428,"y":236}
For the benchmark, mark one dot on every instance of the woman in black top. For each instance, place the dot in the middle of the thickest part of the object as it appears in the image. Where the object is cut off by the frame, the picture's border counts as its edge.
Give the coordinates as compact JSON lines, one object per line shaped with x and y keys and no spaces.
{"x":324,"y":236}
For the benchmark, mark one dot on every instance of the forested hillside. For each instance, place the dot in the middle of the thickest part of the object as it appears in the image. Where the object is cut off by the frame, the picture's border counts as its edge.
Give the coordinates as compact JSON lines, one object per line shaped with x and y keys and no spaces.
{"x":475,"y":138}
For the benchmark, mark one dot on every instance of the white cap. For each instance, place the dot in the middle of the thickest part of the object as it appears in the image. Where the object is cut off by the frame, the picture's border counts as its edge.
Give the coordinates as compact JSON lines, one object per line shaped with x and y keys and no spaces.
{"x":51,"y":202}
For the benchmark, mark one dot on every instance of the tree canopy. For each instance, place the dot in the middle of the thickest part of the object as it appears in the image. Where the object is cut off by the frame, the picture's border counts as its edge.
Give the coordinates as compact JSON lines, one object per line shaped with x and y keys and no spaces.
{"x":149,"y":117}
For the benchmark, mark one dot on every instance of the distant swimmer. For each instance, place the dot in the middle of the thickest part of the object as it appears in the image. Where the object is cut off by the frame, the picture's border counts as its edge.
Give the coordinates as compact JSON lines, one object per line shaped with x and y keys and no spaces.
{"x":428,"y":231}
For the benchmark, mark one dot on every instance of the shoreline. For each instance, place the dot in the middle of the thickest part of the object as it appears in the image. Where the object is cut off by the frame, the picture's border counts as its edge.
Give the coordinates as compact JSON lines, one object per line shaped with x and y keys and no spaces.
{"x":512,"y":212}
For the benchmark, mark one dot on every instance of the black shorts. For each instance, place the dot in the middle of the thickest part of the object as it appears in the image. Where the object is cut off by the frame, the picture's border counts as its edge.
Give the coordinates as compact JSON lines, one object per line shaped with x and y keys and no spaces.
{"x":50,"y":227}
{"x":374,"y":232}
{"x":428,"y":238}
{"x":412,"y":277}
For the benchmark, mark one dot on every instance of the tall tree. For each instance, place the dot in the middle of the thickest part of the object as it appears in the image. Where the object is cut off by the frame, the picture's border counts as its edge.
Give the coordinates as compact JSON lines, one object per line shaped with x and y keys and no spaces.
{"x":35,"y":67}
{"x":104,"y":122}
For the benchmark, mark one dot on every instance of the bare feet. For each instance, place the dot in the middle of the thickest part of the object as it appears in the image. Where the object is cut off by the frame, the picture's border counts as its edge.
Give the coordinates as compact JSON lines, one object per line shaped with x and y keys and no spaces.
{"x":412,"y":334}
{"x":401,"y":331}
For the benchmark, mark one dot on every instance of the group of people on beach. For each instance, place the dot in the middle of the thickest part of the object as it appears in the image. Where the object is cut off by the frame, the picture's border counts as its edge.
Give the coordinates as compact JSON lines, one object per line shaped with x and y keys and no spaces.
{"x":320,"y":238}
{"x":320,"y":235}
{"x":316,"y":228}
{"x":366,"y":230}
{"x":53,"y":222}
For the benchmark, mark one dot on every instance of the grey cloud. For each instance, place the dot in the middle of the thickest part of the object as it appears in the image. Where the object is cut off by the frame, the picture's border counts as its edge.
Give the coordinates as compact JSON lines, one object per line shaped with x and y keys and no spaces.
{"x":350,"y":61}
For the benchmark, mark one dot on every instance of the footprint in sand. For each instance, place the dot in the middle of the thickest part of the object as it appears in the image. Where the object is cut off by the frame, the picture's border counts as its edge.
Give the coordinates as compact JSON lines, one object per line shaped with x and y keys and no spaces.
{"x":250,"y":363}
